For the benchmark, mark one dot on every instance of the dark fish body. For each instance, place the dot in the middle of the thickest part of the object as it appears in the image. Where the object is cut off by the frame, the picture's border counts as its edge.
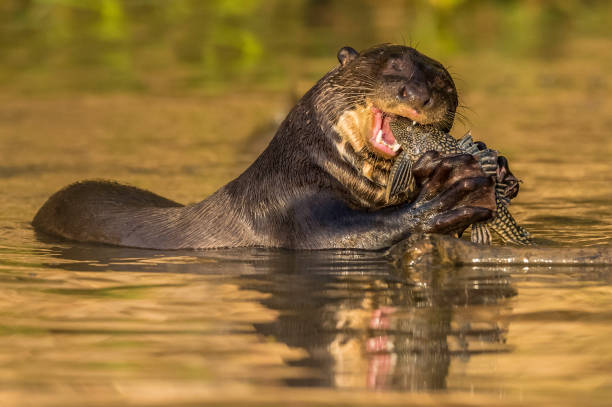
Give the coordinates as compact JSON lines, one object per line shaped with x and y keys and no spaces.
{"x":416,"y":140}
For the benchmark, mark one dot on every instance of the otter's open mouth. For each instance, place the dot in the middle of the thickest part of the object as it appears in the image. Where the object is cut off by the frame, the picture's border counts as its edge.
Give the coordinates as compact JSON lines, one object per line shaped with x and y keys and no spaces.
{"x":382,"y":138}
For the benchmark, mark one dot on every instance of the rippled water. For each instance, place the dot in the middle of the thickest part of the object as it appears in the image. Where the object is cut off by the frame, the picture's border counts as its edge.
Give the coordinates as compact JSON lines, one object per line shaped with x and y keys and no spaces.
{"x":259,"y":326}
{"x":132,"y":97}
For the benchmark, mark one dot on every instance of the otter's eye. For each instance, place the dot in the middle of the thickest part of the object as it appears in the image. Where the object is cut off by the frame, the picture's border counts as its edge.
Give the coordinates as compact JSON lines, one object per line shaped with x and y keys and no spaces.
{"x":396,"y":63}
{"x":438,"y":82}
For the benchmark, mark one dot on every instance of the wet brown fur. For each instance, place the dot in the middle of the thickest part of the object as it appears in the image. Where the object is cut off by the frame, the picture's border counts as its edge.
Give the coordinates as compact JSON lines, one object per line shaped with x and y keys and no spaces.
{"x":315,"y":186}
{"x":352,"y":89}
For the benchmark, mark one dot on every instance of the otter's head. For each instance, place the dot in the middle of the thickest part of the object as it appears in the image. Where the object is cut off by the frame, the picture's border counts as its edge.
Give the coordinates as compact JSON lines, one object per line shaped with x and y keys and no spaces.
{"x":359,"y":98}
{"x":387,"y":81}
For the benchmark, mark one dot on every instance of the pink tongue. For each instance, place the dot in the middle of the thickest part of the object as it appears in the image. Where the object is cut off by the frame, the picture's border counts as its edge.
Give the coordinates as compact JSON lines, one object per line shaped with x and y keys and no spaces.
{"x":387,"y":134}
{"x":381,"y":122}
{"x":377,"y":121}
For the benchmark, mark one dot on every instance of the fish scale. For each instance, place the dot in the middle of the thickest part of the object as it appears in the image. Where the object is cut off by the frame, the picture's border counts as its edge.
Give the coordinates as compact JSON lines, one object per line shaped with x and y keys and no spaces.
{"x":416,"y":140}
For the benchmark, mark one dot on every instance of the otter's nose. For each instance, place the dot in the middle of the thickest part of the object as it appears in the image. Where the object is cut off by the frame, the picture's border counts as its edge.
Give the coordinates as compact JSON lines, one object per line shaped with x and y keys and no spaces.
{"x":417,"y":96}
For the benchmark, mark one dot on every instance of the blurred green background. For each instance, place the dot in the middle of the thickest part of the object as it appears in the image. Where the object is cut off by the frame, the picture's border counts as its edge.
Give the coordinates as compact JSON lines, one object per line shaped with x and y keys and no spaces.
{"x":163,"y":46}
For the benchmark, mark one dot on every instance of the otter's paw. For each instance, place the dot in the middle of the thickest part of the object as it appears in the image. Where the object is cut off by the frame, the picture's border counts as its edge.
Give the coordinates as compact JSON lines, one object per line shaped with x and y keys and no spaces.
{"x":455,"y":193}
{"x":507,"y":183}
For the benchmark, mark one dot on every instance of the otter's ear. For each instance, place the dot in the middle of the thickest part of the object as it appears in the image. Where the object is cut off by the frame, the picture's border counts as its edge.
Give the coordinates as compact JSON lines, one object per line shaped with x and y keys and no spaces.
{"x":346,"y":55}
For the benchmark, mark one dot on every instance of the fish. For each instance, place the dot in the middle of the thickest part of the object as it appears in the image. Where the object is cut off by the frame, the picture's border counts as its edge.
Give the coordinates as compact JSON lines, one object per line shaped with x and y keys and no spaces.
{"x":416,"y":139}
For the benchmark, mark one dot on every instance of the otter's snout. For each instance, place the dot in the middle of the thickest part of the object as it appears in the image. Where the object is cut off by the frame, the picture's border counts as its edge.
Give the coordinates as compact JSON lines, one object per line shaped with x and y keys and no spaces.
{"x":415,"y":94}
{"x":412,"y":85}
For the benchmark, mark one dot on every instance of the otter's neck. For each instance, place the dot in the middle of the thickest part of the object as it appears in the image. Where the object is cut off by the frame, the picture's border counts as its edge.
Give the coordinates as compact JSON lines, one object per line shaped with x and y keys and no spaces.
{"x":345,"y":118}
{"x":311,"y":153}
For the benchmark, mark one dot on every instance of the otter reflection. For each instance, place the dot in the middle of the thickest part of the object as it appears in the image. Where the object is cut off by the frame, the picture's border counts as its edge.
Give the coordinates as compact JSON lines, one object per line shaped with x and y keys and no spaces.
{"x":364,"y":324}
{"x":361,"y":321}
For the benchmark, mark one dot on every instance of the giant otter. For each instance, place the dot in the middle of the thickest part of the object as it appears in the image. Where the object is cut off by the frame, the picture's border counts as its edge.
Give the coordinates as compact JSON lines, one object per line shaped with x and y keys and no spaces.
{"x":321,"y":181}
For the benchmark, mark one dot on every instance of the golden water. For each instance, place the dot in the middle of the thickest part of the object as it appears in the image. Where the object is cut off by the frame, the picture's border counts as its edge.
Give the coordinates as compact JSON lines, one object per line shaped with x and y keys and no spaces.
{"x":180,"y":99}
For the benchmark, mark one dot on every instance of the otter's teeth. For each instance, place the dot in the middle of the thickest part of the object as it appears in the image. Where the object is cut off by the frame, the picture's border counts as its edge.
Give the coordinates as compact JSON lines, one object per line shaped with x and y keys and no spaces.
{"x":379,"y":140}
{"x":414,"y":123}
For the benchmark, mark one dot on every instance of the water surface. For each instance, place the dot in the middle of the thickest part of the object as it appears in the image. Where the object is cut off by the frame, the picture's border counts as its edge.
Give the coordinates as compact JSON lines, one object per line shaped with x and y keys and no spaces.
{"x":179,"y":97}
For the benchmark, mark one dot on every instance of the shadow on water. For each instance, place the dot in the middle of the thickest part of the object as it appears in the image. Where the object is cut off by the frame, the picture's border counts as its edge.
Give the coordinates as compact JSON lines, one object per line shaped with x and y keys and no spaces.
{"x":360,"y":320}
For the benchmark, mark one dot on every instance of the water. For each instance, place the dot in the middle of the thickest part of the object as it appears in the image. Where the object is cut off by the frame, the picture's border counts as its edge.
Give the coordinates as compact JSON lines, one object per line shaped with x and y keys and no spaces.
{"x":179,"y":97}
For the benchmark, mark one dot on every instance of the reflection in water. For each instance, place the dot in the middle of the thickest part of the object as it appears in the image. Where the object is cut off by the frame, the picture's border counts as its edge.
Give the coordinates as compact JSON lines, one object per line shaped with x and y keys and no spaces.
{"x":391,"y":330}
{"x":271,"y":326}
{"x":361,"y":322}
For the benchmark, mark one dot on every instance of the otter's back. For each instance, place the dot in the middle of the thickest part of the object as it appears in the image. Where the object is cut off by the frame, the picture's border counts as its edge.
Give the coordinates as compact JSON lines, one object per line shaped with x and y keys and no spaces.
{"x":89,"y":210}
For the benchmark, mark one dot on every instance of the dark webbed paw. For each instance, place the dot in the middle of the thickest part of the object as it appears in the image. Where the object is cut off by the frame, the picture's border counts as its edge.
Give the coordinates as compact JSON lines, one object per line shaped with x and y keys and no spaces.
{"x":455,"y":192}
{"x":505,"y":177}
{"x":507,"y":183}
